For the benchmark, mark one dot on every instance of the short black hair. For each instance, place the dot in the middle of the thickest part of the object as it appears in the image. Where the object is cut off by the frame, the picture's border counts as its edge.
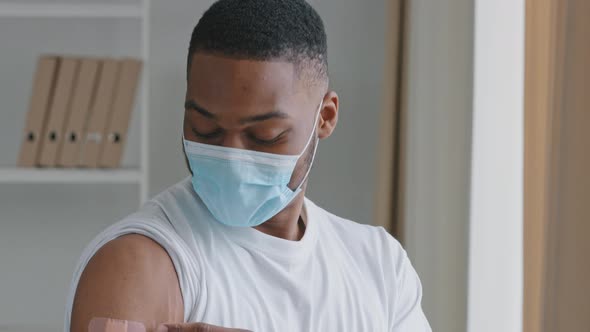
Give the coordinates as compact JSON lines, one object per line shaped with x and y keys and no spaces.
{"x":264,"y":30}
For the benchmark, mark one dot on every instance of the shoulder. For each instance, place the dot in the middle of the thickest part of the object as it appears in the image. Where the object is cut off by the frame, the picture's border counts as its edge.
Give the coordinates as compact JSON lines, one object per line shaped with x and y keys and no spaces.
{"x":177,"y":205}
{"x":128,"y":259}
{"x":130,"y":277}
{"x":373,"y":244}
{"x":177,"y":194}
{"x":153,"y":244}
{"x":384,"y":261}
{"x":359,"y":233}
{"x":133,"y":250}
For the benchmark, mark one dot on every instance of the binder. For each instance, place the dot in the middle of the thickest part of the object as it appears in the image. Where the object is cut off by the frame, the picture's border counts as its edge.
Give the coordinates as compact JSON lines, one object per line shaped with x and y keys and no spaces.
{"x":99,"y":114}
{"x":123,"y":103}
{"x":41,"y":98}
{"x":83,"y":93}
{"x":58,"y":113}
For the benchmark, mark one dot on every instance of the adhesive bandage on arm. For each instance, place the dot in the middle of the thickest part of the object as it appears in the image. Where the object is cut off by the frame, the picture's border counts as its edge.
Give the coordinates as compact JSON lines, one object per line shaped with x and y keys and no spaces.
{"x":100,"y":324}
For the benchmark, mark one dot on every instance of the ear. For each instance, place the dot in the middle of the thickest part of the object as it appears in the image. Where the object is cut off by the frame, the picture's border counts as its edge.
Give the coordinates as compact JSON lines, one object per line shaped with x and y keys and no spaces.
{"x":328,"y":115}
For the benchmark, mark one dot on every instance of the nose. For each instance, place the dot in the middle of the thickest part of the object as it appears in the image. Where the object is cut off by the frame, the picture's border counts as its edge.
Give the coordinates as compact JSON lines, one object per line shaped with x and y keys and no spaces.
{"x":233,"y":140}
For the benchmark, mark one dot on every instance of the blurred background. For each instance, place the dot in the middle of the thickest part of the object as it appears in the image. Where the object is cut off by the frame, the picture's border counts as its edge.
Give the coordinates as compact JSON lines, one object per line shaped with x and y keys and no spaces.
{"x":430,"y":142}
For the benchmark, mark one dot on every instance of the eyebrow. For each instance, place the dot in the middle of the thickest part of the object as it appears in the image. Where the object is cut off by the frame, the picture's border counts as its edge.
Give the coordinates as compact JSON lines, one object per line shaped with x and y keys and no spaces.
{"x":276,"y":114}
{"x":263,"y":117}
{"x":192,"y":105}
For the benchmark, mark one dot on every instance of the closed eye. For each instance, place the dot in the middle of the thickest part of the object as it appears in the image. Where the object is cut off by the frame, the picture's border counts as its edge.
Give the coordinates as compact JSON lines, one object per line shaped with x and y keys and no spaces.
{"x":214,"y":134}
{"x":267,"y":141}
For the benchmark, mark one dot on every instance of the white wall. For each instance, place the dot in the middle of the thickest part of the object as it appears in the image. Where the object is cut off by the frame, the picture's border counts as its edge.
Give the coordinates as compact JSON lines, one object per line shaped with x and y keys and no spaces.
{"x":41,"y":239}
{"x":438,"y":144}
{"x":495,"y":250}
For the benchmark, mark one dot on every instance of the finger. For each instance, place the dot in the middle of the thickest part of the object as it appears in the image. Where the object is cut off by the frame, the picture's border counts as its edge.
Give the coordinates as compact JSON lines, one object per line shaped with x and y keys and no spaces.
{"x":196,"y":327}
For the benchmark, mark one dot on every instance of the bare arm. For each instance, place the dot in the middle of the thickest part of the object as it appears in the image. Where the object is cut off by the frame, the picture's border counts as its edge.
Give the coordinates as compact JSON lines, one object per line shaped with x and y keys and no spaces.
{"x":130,"y":278}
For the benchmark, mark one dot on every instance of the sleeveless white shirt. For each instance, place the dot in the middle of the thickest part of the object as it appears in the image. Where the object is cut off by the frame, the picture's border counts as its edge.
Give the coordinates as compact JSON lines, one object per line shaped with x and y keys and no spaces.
{"x":341,"y":276}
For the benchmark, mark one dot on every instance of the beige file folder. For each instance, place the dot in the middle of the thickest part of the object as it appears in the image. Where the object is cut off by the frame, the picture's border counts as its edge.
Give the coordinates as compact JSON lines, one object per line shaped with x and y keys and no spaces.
{"x":83,"y":93}
{"x":123,"y":103}
{"x":58,"y":113}
{"x":41,"y":98}
{"x":99,"y":114}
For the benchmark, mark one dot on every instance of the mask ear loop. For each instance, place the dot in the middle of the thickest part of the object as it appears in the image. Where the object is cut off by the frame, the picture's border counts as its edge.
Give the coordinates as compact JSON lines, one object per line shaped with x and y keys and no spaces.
{"x":315,"y":148}
{"x":315,"y":123}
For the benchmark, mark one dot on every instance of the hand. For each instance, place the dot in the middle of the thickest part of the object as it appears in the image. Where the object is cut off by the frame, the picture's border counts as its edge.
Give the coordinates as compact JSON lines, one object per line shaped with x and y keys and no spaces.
{"x":195,"y":327}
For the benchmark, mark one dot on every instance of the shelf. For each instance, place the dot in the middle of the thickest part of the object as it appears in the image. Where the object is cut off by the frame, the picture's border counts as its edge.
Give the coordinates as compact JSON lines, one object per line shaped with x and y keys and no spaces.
{"x":29,"y":328}
{"x":71,"y":10}
{"x":51,"y":175}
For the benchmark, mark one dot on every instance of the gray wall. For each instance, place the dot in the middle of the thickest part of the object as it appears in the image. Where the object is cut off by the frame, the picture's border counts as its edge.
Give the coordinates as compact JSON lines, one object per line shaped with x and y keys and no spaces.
{"x":438,"y":122}
{"x":343,"y":180}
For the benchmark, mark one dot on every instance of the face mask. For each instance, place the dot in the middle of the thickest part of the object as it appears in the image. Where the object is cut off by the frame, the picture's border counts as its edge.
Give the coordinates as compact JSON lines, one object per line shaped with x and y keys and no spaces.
{"x":243,"y":187}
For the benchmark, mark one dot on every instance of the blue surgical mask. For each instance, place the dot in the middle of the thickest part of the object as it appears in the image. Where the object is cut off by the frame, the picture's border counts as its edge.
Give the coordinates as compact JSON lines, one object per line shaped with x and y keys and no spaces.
{"x":243,"y":187}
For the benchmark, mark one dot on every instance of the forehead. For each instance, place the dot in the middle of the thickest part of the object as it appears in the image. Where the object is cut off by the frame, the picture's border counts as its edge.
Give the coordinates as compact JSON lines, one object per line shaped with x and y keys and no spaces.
{"x":223,"y":82}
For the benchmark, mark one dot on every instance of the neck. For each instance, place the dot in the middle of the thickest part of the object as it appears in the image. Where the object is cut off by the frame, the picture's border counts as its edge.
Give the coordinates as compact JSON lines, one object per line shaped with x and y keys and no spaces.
{"x":287,"y":224}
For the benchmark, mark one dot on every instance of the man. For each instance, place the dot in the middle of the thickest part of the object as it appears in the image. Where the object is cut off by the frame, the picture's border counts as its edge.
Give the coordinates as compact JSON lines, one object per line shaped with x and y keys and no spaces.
{"x":236,"y":245}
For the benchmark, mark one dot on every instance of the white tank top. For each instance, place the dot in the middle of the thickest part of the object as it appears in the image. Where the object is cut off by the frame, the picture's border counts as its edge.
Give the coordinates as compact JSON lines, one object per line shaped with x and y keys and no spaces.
{"x":341,"y":276}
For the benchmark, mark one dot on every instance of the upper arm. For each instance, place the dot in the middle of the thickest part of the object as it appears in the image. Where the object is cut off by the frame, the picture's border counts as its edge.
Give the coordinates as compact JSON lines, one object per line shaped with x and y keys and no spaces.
{"x":401,"y":285}
{"x":129,"y":278}
{"x":408,"y":314}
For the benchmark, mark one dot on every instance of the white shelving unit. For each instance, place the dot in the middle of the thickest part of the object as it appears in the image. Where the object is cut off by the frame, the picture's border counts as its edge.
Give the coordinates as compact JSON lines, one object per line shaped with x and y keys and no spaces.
{"x":70,"y":10}
{"x":48,"y":215}
{"x":54,"y":175}
{"x":29,"y":328}
{"x":63,"y":11}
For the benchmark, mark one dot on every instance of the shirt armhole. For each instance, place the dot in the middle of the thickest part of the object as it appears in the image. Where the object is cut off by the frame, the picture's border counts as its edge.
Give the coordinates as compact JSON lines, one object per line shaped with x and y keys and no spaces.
{"x":186,"y":267}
